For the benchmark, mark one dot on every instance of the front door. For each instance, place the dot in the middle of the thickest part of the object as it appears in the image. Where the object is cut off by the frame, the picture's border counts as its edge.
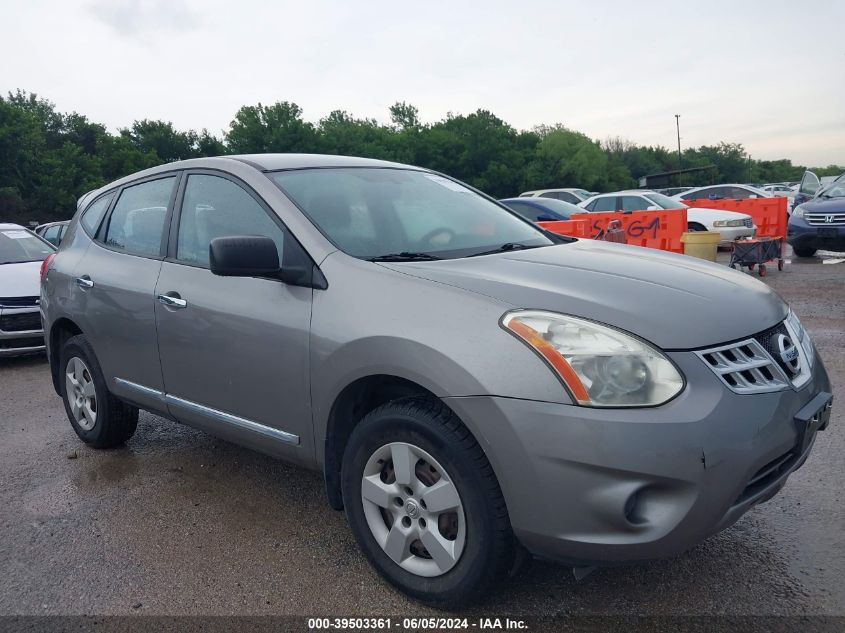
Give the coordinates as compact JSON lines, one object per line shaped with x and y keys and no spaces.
{"x":234,"y":350}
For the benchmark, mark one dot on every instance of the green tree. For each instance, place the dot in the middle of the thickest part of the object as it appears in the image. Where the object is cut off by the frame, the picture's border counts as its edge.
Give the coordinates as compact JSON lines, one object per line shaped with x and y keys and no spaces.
{"x":275,"y":128}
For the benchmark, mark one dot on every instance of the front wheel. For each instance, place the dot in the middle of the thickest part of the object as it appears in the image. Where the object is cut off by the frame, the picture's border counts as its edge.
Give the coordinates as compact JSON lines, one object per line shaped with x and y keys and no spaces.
{"x":99,"y":419}
{"x":424,"y":504}
{"x":805,"y":252}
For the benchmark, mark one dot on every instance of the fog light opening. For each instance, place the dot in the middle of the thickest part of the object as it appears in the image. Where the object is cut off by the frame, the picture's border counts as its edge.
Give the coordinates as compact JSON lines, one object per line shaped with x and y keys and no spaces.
{"x":633,"y":509}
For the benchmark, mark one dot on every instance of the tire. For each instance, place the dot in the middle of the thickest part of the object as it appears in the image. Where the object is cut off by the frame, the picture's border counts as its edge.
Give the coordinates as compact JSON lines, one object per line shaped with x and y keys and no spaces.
{"x":477,"y":529}
{"x":805,"y":252}
{"x":695,"y":227}
{"x":99,"y":419}
{"x":761,"y":270}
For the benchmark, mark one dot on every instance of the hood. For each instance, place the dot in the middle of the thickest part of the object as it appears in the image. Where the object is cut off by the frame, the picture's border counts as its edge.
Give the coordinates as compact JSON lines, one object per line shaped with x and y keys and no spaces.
{"x":718,"y":214}
{"x":825,"y":205}
{"x":20,"y":280}
{"x":674,"y":301}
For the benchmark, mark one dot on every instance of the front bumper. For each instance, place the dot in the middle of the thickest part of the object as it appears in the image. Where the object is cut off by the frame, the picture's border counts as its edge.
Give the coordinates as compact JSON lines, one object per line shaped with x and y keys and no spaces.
{"x":807,"y":236}
{"x":20,"y":331}
{"x":593,"y":486}
{"x":733,"y":233}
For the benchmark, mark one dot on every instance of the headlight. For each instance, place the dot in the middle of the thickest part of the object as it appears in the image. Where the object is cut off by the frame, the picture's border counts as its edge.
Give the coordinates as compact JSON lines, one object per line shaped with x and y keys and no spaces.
{"x":600,"y":365}
{"x":729,"y":223}
{"x":794,"y":324}
{"x":798,"y":212}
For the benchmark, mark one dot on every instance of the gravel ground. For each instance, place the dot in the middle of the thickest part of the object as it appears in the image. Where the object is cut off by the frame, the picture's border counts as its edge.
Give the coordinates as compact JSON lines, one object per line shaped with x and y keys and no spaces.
{"x":178,"y":522}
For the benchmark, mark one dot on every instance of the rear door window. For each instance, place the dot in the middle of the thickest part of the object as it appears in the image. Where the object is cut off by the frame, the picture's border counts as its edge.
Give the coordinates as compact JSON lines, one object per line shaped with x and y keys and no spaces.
{"x":604,"y":204}
{"x":136,"y":224}
{"x":635,"y":203}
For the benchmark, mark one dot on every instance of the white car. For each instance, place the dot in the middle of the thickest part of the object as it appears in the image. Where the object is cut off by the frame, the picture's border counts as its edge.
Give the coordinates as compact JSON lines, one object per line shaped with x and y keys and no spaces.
{"x":21,"y":254}
{"x":780,"y":189}
{"x":719,"y":192}
{"x":571,"y":194}
{"x":729,"y":224}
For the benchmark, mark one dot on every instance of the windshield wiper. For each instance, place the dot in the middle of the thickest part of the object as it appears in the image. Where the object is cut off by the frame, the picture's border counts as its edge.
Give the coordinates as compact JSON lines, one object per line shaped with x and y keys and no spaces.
{"x":404,"y":256}
{"x":507,"y":246}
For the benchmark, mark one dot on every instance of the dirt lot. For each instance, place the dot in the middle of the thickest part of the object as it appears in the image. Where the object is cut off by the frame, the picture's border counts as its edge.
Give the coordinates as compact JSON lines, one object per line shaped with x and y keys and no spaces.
{"x":178,"y":522}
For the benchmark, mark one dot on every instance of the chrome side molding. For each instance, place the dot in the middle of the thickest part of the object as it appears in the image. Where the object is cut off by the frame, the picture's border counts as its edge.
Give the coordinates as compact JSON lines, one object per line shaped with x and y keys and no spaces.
{"x":211,"y":413}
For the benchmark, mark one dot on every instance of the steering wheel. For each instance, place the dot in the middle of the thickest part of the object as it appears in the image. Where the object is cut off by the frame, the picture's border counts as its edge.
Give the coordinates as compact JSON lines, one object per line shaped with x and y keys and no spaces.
{"x":429,"y":238}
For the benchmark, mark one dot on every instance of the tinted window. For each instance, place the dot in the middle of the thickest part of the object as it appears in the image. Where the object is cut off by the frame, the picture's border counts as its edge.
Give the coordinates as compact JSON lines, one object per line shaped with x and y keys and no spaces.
{"x":738,"y":193}
{"x":90,"y":220}
{"x":371,"y":212}
{"x":604,"y":204}
{"x":532,"y":214}
{"x":636,"y":203}
{"x":665,"y":202}
{"x":708,"y":193}
{"x":216,"y":207}
{"x":19,"y":245}
{"x":51,"y":234}
{"x":136,"y":224}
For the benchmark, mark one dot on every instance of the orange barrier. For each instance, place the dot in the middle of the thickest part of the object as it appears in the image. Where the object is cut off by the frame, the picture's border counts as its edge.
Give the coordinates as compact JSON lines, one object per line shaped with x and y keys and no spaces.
{"x":652,"y":229}
{"x":572,"y":228}
{"x":769,"y":214}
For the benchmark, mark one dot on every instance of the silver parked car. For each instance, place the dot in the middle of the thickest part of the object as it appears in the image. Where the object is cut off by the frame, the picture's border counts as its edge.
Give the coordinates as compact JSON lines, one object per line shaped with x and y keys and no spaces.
{"x":468,"y":384}
{"x":21,"y":255}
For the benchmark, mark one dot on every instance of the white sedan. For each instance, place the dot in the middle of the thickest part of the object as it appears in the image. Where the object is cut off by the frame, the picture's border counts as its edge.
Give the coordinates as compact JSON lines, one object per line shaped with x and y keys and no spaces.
{"x":730,"y":224}
{"x":21,"y":254}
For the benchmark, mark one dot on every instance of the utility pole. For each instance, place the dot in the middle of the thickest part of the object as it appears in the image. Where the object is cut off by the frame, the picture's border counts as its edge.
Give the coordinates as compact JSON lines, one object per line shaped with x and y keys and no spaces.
{"x":678,"y":127}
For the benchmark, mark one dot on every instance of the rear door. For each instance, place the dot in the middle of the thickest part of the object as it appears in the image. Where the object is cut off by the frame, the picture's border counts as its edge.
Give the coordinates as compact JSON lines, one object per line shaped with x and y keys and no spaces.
{"x":114,"y":285}
{"x":234,"y":350}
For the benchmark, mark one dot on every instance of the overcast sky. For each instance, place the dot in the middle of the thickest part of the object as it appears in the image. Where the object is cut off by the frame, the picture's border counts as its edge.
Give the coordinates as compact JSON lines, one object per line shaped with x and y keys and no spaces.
{"x":768,"y":74}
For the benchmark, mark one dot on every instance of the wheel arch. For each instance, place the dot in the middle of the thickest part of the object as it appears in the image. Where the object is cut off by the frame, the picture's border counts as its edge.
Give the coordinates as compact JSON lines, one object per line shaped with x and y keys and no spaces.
{"x":60,"y":331}
{"x":354,"y":401}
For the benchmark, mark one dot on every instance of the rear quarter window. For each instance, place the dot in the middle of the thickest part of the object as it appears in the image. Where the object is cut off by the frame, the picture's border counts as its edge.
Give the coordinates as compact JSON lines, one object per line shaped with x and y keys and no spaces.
{"x":93,"y":215}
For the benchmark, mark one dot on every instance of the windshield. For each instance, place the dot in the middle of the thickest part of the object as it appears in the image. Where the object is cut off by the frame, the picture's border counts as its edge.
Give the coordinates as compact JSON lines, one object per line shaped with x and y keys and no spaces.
{"x":836,"y":190}
{"x":376,"y":212}
{"x":582,"y":193}
{"x":19,"y":245}
{"x":665,"y":202}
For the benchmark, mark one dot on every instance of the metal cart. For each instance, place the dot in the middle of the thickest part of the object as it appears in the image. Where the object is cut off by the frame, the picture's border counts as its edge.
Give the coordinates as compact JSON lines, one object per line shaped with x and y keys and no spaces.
{"x":757,"y":252}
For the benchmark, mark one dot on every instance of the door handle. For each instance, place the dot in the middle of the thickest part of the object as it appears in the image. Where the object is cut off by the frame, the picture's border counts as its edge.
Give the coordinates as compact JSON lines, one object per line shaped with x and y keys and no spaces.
{"x":84,"y":282}
{"x":172,"y":301}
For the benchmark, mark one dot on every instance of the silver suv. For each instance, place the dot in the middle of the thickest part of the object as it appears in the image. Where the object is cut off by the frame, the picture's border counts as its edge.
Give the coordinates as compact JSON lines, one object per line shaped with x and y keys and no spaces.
{"x":468,"y":384}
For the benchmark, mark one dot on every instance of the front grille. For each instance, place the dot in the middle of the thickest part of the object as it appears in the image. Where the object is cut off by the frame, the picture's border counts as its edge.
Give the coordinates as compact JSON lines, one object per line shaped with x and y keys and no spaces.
{"x":18,"y":302}
{"x":745,"y":367}
{"x":19,"y":343}
{"x":749,"y":222}
{"x":24,"y":322}
{"x":825,"y":219}
{"x":769,"y":340}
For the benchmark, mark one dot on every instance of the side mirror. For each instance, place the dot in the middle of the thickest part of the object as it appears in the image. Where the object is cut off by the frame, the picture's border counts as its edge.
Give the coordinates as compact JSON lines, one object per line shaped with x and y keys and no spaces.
{"x":653,"y":208}
{"x":243,"y":256}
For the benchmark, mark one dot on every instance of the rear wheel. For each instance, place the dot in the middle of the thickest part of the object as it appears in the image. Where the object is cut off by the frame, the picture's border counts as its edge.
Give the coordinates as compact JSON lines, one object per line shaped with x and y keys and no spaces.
{"x":805,"y":252}
{"x":99,"y":419}
{"x":423,"y":503}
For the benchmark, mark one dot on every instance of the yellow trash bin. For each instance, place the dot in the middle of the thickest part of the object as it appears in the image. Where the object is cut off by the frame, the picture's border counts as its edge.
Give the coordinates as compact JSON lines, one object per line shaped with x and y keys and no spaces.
{"x":702,"y":244}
